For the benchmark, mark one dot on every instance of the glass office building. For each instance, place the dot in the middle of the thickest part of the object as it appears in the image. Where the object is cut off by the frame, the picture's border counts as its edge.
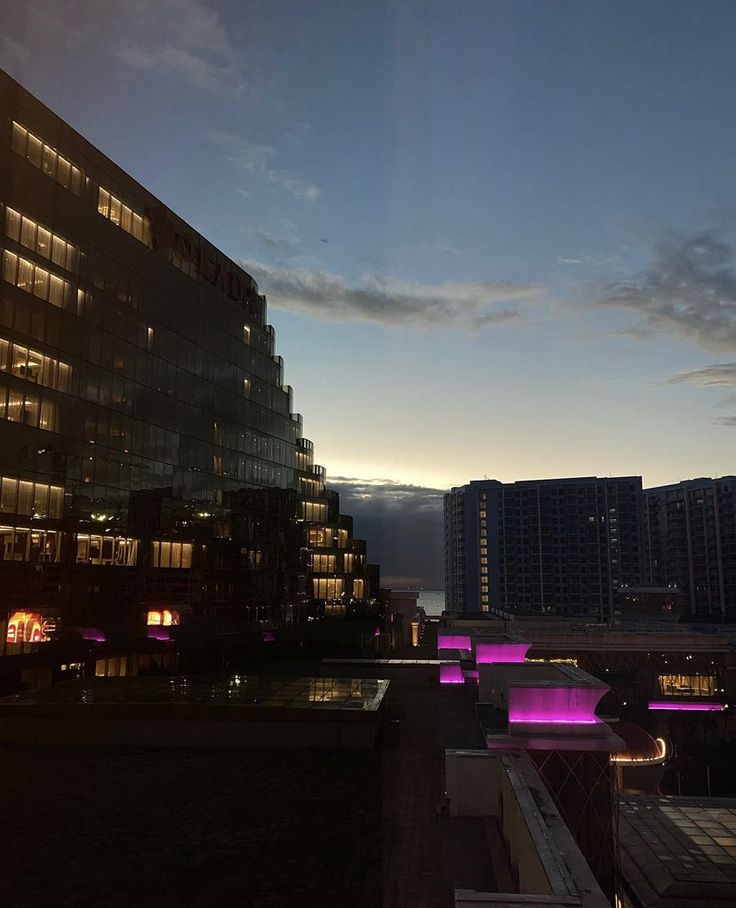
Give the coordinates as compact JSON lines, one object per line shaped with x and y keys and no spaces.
{"x":150,"y":461}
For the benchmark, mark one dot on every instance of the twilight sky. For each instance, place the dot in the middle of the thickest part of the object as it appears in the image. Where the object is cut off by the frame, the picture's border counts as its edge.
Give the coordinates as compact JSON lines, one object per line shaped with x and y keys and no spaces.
{"x":497,"y":238}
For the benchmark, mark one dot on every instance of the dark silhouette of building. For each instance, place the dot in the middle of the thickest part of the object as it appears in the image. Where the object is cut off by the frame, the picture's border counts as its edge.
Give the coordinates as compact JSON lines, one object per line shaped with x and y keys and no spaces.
{"x":690,"y":543}
{"x":552,"y":546}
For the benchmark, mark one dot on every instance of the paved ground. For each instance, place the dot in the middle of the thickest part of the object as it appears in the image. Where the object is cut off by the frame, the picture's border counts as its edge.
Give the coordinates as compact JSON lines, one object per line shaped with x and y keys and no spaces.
{"x":160,"y":827}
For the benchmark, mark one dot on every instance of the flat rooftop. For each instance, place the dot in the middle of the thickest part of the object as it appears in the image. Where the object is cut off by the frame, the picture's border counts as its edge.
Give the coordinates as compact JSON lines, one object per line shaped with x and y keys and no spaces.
{"x":679,"y":851}
{"x":266,"y":692}
{"x":231,"y":711}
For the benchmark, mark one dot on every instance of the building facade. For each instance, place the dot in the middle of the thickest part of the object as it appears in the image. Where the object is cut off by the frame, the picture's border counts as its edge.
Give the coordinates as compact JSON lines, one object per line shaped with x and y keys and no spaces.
{"x":553,"y":546}
{"x":690,"y":543}
{"x":151,"y":465}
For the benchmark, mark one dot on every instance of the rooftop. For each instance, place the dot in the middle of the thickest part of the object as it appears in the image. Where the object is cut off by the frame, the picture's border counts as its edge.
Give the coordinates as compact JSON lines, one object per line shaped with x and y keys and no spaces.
{"x":679,"y":851}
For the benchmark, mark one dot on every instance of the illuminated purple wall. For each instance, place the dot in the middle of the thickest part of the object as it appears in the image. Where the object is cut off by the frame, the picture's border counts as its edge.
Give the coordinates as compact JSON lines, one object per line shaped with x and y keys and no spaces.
{"x":451,"y":673}
{"x":92,"y":633}
{"x":453,"y":641}
{"x":690,"y":706}
{"x":487,"y":653}
{"x":159,"y":633}
{"x":555,"y":705}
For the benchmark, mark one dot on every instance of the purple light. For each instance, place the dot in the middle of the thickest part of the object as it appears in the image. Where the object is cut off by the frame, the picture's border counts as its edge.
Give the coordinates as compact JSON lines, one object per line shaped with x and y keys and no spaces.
{"x":377,"y":632}
{"x":471,"y":675}
{"x":159,"y":633}
{"x":690,"y":706}
{"x":92,"y":633}
{"x":488,"y":653}
{"x":555,"y":705}
{"x":451,"y":673}
{"x":453,"y":641}
{"x":268,"y":637}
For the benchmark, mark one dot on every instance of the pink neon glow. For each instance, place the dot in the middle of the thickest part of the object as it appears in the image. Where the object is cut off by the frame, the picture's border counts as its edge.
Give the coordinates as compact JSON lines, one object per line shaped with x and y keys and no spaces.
{"x":268,"y":637}
{"x":488,"y":653}
{"x":451,"y":673}
{"x":92,"y":633}
{"x":453,"y":641}
{"x":472,"y":673}
{"x":690,"y":706}
{"x":556,"y":705}
{"x":159,"y":633}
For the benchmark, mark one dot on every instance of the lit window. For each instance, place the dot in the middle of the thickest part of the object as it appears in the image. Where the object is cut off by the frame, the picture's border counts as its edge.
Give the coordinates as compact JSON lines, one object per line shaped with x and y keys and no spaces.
{"x":162,"y":618}
{"x":40,"y":240}
{"x":47,"y":159}
{"x":110,"y":550}
{"x":122,"y":216}
{"x":171,"y":554}
{"x":246,"y":334}
{"x":36,"y":280}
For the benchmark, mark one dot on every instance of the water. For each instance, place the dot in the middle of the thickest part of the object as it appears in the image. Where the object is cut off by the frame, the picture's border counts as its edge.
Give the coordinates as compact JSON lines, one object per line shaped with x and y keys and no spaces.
{"x":432,"y":601}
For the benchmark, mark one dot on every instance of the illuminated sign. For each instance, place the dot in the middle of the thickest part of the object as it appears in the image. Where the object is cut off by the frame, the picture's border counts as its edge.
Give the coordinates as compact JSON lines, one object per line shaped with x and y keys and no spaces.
{"x":690,"y":706}
{"x":162,"y":617}
{"x":26,"y":627}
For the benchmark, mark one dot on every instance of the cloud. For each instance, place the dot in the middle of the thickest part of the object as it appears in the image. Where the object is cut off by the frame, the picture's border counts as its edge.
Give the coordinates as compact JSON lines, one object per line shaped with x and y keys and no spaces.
{"x":181,"y":37}
{"x":726,"y":421}
{"x":719,"y":375}
{"x":258,"y":159}
{"x":689,"y":290}
{"x":174,"y":39}
{"x":281,"y":246}
{"x":570,"y":261}
{"x":401,"y":523}
{"x":390,"y":302}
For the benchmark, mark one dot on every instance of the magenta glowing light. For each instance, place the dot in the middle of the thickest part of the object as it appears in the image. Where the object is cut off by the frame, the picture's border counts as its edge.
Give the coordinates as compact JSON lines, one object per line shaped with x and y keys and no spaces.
{"x":689,"y":706}
{"x":92,"y":633}
{"x":554,"y":705}
{"x":268,"y":637}
{"x":159,"y":633}
{"x":451,"y":673}
{"x":453,"y":641}
{"x":488,"y":653}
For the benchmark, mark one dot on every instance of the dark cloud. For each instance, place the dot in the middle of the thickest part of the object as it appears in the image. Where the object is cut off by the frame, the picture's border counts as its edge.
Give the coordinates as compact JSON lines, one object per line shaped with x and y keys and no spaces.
{"x":281,"y":246}
{"x":390,"y":302}
{"x":402,"y":524}
{"x":726,"y":421}
{"x":718,"y":375}
{"x":689,"y":290}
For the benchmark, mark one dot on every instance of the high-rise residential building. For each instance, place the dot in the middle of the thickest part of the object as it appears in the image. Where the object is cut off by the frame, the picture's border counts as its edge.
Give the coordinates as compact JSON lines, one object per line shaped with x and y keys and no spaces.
{"x":690,"y":543}
{"x":551,"y":546}
{"x":151,"y":467}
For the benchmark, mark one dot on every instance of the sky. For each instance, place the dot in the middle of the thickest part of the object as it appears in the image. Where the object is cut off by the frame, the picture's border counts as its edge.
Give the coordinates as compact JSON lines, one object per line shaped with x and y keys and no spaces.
{"x":497,"y":238}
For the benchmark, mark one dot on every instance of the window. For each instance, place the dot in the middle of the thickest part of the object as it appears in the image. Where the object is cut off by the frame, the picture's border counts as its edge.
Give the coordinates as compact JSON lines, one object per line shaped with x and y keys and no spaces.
{"x":323,"y":563}
{"x":120,"y":214}
{"x":45,"y":158}
{"x":41,"y":241}
{"x":37,"y":499}
{"x":171,"y":554}
{"x":36,"y":280}
{"x":313,"y":511}
{"x":246,"y":334}
{"x":348,"y":559}
{"x":34,"y":366}
{"x":327,"y":587}
{"x":320,"y":537}
{"x":358,"y":588}
{"x":112,"y":550}
{"x":26,"y":544}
